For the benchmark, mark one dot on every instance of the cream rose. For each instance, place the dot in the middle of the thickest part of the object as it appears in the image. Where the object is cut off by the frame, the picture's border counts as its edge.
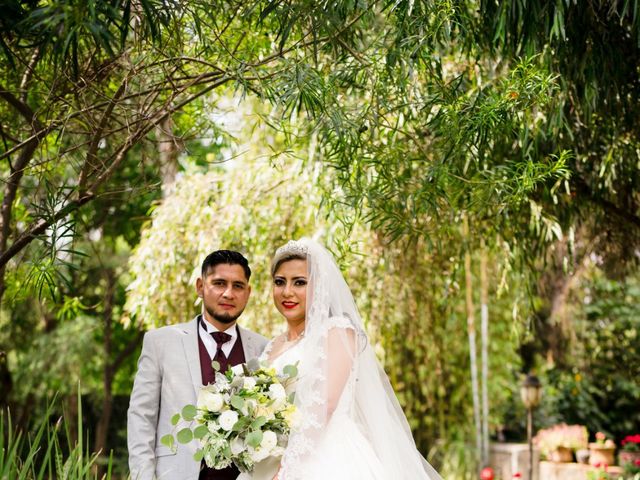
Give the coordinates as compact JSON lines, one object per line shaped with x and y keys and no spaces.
{"x":269,"y":440}
{"x":210,"y":401}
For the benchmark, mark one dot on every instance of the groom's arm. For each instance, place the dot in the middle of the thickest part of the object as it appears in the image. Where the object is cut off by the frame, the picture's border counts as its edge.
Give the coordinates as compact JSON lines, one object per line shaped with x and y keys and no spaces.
{"x":142,"y":416}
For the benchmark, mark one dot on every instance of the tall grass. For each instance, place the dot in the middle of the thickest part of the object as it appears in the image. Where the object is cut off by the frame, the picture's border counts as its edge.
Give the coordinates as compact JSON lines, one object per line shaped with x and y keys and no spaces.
{"x":44,"y":453}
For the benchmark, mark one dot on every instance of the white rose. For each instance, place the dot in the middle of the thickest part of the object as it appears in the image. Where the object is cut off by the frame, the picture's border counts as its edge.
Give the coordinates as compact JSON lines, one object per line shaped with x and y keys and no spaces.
{"x":249,"y":383}
{"x":258,"y":454}
{"x":278,"y":394}
{"x":210,"y":401}
{"x":237,"y":369}
{"x":228,"y":419}
{"x":269,"y":440}
{"x":237,"y":446}
{"x":277,"y":391}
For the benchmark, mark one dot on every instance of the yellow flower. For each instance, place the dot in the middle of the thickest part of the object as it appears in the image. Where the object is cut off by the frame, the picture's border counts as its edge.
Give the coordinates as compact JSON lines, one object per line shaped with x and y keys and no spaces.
{"x":291,"y":415}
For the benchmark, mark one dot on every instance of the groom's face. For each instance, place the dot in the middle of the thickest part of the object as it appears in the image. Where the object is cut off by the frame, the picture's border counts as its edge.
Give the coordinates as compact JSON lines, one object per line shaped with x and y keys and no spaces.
{"x":225,"y":292}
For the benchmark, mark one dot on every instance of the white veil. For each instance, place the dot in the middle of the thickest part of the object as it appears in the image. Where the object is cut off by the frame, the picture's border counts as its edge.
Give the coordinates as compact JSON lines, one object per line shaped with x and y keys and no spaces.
{"x":339,"y":375}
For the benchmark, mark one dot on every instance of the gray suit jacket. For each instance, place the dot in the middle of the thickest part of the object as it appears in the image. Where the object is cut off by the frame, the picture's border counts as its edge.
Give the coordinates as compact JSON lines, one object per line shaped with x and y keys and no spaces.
{"x":169,"y":378}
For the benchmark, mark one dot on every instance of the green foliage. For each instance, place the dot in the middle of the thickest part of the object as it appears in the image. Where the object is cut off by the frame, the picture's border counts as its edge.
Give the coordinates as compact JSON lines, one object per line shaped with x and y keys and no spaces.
{"x":600,"y":388}
{"x":42,"y":453}
{"x":87,"y":96}
{"x":632,"y":471}
{"x":58,"y":361}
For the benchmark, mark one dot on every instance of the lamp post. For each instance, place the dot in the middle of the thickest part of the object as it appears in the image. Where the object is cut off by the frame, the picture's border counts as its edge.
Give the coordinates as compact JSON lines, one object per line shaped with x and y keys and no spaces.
{"x":531,"y":393}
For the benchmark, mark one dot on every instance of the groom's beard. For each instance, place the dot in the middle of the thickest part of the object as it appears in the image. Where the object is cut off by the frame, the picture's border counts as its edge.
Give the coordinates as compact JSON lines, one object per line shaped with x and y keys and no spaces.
{"x":224,"y":318}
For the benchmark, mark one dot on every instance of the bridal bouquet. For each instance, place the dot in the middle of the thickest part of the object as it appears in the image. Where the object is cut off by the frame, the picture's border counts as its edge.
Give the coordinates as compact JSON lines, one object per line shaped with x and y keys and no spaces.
{"x":242,"y":418}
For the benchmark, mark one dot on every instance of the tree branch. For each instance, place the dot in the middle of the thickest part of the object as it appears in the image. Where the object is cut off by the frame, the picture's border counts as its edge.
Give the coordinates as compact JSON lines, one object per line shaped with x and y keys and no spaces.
{"x":20,"y":106}
{"x":28,"y":73}
{"x":126,"y":351}
{"x":114,"y":162}
{"x":607,"y":205}
{"x":89,"y":163}
{"x":40,"y":227}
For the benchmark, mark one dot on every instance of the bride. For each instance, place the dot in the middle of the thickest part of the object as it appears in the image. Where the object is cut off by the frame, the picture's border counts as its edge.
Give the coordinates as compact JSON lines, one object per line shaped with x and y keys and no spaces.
{"x":351,"y":426}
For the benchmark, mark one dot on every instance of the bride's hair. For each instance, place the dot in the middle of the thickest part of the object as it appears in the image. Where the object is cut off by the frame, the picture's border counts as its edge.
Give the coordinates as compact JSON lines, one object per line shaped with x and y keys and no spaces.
{"x":283,"y":259}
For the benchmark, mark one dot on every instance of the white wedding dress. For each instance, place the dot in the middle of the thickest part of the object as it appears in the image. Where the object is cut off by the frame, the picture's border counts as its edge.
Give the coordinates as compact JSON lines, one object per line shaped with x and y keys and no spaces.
{"x":342,"y":452}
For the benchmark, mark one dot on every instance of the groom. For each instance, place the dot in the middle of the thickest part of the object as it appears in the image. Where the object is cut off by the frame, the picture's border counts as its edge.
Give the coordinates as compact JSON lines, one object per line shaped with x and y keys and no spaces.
{"x":176,"y":360}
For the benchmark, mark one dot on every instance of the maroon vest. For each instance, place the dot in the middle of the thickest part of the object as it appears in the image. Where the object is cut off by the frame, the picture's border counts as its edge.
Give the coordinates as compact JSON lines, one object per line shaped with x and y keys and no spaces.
{"x":236,"y":356}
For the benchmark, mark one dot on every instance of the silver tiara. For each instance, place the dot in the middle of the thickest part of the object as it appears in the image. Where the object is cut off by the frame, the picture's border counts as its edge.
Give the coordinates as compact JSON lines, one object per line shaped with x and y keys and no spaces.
{"x":291,"y":247}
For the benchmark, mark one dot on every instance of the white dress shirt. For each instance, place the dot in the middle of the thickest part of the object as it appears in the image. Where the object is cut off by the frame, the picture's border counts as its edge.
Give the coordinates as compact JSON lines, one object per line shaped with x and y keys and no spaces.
{"x":210,"y":344}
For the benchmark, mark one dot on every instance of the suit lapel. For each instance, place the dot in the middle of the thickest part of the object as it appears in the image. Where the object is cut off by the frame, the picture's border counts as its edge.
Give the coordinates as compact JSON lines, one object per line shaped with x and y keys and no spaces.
{"x":248,"y":344}
{"x":192,"y":353}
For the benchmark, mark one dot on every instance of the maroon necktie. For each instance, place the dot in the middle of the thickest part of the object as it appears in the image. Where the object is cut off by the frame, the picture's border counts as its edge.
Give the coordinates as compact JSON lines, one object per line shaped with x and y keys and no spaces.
{"x":221,"y":338}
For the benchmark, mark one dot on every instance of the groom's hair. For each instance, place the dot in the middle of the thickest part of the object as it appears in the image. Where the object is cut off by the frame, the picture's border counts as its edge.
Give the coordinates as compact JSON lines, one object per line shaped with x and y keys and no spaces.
{"x":228,"y":257}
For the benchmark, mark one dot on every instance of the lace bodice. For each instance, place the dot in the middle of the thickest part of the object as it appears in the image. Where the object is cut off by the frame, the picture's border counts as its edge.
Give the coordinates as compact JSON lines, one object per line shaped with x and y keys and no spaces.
{"x":294,"y":354}
{"x":290,"y":356}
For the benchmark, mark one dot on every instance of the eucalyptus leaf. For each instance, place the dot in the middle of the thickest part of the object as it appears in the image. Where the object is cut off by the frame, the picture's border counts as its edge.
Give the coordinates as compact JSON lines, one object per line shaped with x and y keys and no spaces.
{"x":175,"y":419}
{"x":290,"y":370}
{"x":258,"y":422}
{"x":200,"y":431}
{"x":185,"y":435}
{"x":167,"y":440}
{"x":254,"y":438}
{"x":237,"y":402}
{"x":199,"y":455}
{"x":189,"y":412}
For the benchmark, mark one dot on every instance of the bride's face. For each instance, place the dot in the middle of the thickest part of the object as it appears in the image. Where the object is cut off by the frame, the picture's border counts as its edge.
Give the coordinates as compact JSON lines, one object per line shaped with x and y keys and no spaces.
{"x":290,"y":290}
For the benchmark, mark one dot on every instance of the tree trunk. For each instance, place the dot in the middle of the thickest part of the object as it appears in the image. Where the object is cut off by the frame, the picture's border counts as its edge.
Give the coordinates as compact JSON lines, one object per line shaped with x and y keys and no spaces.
{"x":484,"y":341}
{"x":168,"y":151}
{"x":111,"y":367}
{"x":471,"y":331}
{"x":100,"y":444}
{"x":6,"y":382}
